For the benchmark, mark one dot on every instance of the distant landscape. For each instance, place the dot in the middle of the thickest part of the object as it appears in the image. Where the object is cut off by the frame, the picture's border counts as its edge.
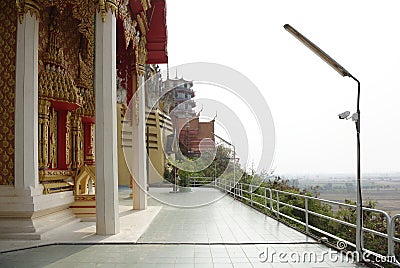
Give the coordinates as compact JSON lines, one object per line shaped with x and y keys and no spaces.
{"x":383,"y":188}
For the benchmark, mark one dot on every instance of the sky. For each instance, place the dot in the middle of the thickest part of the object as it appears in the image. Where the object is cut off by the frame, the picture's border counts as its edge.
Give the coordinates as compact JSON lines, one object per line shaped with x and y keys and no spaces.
{"x":304,"y":94}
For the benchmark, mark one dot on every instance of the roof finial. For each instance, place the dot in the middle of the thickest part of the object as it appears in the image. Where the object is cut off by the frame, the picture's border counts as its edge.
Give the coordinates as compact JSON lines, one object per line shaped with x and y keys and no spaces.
{"x":176,"y":72}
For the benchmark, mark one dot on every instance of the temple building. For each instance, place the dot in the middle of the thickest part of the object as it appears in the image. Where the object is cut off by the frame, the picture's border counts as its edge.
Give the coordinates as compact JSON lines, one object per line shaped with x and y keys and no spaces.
{"x":68,"y":71}
{"x":194,"y":135}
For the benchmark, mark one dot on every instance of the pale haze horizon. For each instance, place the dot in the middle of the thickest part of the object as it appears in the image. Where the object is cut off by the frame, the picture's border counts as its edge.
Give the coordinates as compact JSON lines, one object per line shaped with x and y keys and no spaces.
{"x":304,"y":94}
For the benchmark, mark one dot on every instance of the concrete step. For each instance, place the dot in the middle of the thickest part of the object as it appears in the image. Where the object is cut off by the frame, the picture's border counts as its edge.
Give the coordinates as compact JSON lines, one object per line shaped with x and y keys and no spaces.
{"x":54,"y":220}
{"x":37,"y":228}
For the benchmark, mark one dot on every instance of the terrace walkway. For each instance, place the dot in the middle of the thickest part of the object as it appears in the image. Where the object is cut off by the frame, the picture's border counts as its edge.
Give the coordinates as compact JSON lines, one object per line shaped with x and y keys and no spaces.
{"x":225,"y":233}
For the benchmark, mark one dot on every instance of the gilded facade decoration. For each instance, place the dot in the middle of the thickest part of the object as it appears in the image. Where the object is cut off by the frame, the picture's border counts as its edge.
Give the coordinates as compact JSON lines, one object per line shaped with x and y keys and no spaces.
{"x":129,"y":25}
{"x":68,"y":140}
{"x":54,"y":181}
{"x":8,"y":36}
{"x":142,"y":21}
{"x":83,"y":11}
{"x":66,"y":61}
{"x":55,"y":81}
{"x":60,"y":4}
{"x":25,"y":6}
{"x":141,"y":56}
{"x":85,"y":198}
{"x":90,"y":157}
{"x":77,"y":141}
{"x":77,"y":20}
{"x":103,"y":6}
{"x":44,"y":122}
{"x":52,"y":138}
{"x":71,"y":42}
{"x":145,"y":4}
{"x":88,"y":107}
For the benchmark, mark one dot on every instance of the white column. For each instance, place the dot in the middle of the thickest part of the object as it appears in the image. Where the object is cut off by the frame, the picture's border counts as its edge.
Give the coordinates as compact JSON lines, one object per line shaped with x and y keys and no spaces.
{"x":107,"y":218}
{"x":26,"y":104}
{"x":139,"y":151}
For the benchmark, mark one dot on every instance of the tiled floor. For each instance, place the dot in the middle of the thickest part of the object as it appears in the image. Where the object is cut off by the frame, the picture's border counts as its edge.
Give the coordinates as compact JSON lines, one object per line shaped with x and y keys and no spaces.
{"x":222,"y":231}
{"x":160,"y":256}
{"x":226,"y":220}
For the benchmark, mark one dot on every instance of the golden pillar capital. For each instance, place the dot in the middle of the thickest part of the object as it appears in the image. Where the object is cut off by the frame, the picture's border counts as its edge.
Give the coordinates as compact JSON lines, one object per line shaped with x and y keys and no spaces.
{"x":103,"y":6}
{"x":25,"y":6}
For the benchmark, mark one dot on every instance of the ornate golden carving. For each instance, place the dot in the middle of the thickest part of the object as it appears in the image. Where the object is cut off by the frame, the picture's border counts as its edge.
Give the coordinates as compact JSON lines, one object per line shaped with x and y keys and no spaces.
{"x":85,"y":180}
{"x":141,"y":56}
{"x":91,"y":154}
{"x":88,"y":108}
{"x":85,"y":197}
{"x":77,"y":141}
{"x":128,"y":24}
{"x":25,"y":6}
{"x":54,"y":181}
{"x":55,"y":187}
{"x":60,"y":4}
{"x":83,"y":11}
{"x":55,"y":83}
{"x":145,"y":4}
{"x":142,"y":21}
{"x":51,"y":175}
{"x":44,"y":110}
{"x":53,"y":139}
{"x":103,"y":6}
{"x":68,"y":141}
{"x":85,"y":89}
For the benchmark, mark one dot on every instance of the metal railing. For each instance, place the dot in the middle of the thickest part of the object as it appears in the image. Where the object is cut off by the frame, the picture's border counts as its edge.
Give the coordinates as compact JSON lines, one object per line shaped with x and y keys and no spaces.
{"x":271,"y":202}
{"x":201,"y":181}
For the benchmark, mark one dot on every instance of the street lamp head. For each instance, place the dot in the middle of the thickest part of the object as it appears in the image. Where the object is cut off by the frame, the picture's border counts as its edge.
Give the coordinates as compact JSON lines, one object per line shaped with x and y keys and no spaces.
{"x":342,"y":71}
{"x":344,"y":115}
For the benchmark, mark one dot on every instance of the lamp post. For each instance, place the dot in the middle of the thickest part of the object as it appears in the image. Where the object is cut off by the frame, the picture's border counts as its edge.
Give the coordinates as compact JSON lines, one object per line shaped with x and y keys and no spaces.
{"x":356,"y":118}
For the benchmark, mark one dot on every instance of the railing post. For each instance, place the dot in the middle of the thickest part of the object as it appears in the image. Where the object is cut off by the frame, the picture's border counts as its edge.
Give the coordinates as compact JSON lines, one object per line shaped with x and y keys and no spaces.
{"x":306,"y":212}
{"x":391,"y":233}
{"x":271,"y":205}
{"x":234,"y":189}
{"x":251,"y":195}
{"x":265,"y":199}
{"x":390,"y":238}
{"x":277,"y":205}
